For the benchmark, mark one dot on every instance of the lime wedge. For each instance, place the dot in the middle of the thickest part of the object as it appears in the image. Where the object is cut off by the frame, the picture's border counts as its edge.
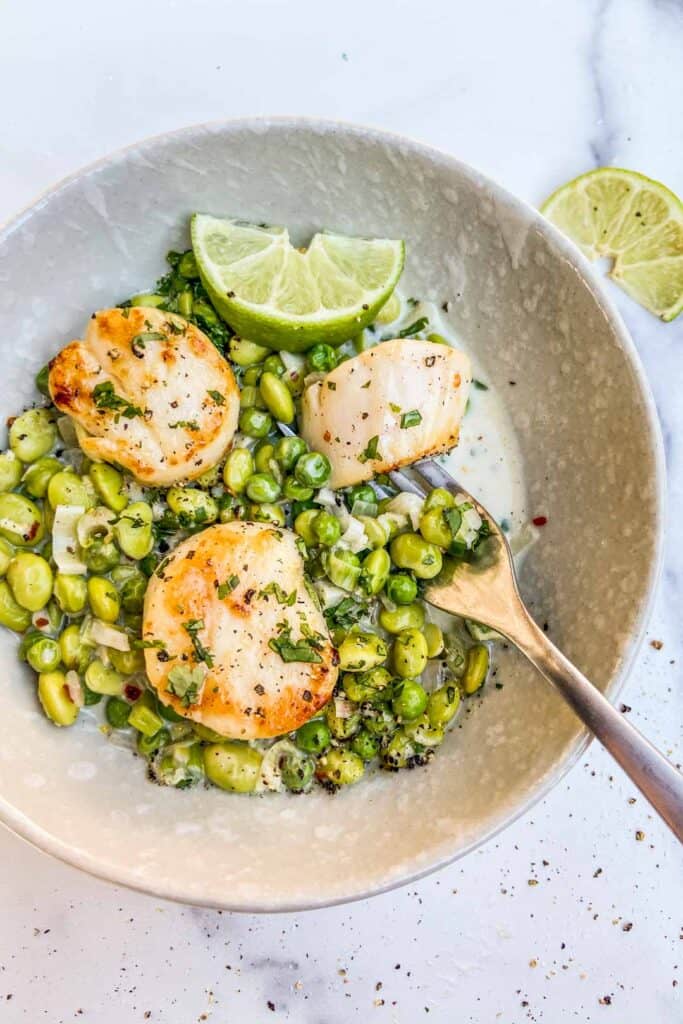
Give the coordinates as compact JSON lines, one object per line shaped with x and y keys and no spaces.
{"x":635,"y":221}
{"x":284,"y":298}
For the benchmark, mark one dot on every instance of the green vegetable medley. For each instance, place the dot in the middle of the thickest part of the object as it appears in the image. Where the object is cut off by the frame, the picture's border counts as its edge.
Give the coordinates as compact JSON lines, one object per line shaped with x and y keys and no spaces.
{"x":79,"y":541}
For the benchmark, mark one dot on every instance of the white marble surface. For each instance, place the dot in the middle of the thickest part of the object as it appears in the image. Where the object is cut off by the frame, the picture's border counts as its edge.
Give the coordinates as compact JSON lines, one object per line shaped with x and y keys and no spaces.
{"x":566,"y":916}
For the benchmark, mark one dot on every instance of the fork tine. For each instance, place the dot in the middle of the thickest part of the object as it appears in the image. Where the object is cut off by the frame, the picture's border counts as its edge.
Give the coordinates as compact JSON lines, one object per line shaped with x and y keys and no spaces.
{"x":406,"y":483}
{"x":436,"y":476}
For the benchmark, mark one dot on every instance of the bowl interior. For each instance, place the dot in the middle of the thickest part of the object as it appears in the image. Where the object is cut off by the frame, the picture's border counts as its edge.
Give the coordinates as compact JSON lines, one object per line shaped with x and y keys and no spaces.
{"x":520,"y":299}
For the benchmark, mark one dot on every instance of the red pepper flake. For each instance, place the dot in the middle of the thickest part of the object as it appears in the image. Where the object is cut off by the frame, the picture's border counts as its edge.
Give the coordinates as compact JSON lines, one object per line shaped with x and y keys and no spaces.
{"x":539,"y":520}
{"x":132,"y":692}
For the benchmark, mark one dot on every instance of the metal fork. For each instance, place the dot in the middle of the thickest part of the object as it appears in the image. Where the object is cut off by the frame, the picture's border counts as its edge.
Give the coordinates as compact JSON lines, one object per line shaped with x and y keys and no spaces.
{"x":486,"y":590}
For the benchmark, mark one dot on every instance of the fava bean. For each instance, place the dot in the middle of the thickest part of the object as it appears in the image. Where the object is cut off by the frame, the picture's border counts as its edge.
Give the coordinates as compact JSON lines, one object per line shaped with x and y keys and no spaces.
{"x":341,"y":767}
{"x":476,"y":668}
{"x":365,"y":745}
{"x":267,"y":513}
{"x":250,"y":398}
{"x":421,"y":731}
{"x":409,"y":616}
{"x":313,"y":737}
{"x":239,"y":466}
{"x":32,"y":434}
{"x":292,"y":490}
{"x":288,"y":450}
{"x":341,"y":728}
{"x":30,"y":578}
{"x":71,"y":592}
{"x":434,"y":638}
{"x":10,"y":471}
{"x":409,"y":654}
{"x":12,"y":614}
{"x":101,"y":556}
{"x":275,"y":394}
{"x":108,"y":483}
{"x":72,"y":652}
{"x":44,"y":655}
{"x":191,"y":504}
{"x":410,"y":700}
{"x":21,"y":521}
{"x":342,"y":567}
{"x":438,"y":498}
{"x":134,"y":530}
{"x":399,"y":753}
{"x":366,"y":686}
{"x":38,"y":475}
{"x":54,"y":697}
{"x":361,"y":651}
{"x":102,"y":679}
{"x":255,"y":422}
{"x":66,"y":488}
{"x":263,"y":487}
{"x":380,"y":722}
{"x":376,"y":532}
{"x":6,"y":555}
{"x":410,"y":551}
{"x":128,"y":662}
{"x":443,"y":705}
{"x":375,"y":570}
{"x":104,"y":599}
{"x":245,"y":352}
{"x":233,"y":766}
{"x":264,"y":460}
{"x":327,"y":529}
{"x":435,"y":529}
{"x":303,"y":525}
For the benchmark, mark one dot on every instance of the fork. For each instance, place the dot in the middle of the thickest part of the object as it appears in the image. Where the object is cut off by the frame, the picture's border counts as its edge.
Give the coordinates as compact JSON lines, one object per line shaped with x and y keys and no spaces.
{"x":486,"y":591}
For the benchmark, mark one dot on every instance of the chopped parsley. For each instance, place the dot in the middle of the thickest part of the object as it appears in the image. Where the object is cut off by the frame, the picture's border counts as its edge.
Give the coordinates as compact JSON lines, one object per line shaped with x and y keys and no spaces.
{"x":371,"y":451}
{"x":185,"y":424}
{"x":395,"y":408}
{"x":143,"y":645}
{"x":304,"y":649}
{"x":186,"y":683}
{"x":479,"y":385}
{"x":411,"y":330}
{"x":345,"y":614}
{"x":203,"y":654}
{"x":139,"y":342}
{"x":410,"y":419}
{"x":228,"y":586}
{"x":106,"y":398}
{"x":280,"y":595}
{"x":218,"y":398}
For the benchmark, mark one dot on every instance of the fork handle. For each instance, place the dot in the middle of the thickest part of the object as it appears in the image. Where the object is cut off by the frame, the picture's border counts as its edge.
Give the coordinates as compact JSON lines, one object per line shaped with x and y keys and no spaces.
{"x":655,"y":776}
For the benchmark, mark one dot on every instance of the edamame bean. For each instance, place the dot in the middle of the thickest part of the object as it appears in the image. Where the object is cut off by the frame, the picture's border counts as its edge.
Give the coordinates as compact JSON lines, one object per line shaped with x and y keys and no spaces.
{"x":252,"y":375}
{"x":72,"y":652}
{"x":21,"y":521}
{"x":313,"y":469}
{"x":104,"y":599}
{"x":296,"y":771}
{"x":322,"y":358}
{"x":263,"y":487}
{"x":267,"y":513}
{"x":361,"y":651}
{"x":443,"y":705}
{"x":245,"y":352}
{"x":434,"y":638}
{"x":273,"y":364}
{"x":288,"y":450}
{"x":108,"y":483}
{"x":134,"y":530}
{"x":10,"y":471}
{"x":410,"y":700}
{"x":117,"y":712}
{"x":292,"y":490}
{"x":255,"y":422}
{"x":438,"y":498}
{"x":6,"y":555}
{"x":476,"y":668}
{"x":327,"y":529}
{"x":71,"y":592}
{"x":341,"y":728}
{"x":342,"y":568}
{"x":313,"y":737}
{"x":32,"y":434}
{"x":390,"y":311}
{"x":66,"y":488}
{"x":264,"y":460}
{"x":376,"y":532}
{"x":401,"y":588}
{"x":303,"y":525}
{"x":38,"y":475}
{"x":410,"y":551}
{"x":375,"y":570}
{"x":12,"y":614}
{"x":435,"y":529}
{"x":101,"y":556}
{"x":233,"y":766}
{"x":409,"y":654}
{"x":276,"y":396}
{"x":341,"y":767}
{"x":30,"y":578}
{"x":409,"y":616}
{"x":192,"y":505}
{"x":365,"y":745}
{"x":53,"y":695}
{"x":44,"y":655}
{"x":239,"y":466}
{"x":102,"y":679}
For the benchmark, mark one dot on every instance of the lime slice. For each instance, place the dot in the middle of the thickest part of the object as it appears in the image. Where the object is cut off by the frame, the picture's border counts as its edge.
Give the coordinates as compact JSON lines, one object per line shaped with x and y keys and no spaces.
{"x":279,"y":296}
{"x":636,"y":222}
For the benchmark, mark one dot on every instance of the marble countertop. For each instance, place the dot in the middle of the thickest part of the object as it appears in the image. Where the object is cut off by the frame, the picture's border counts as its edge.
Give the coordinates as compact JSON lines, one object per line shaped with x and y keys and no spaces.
{"x":568,"y":915}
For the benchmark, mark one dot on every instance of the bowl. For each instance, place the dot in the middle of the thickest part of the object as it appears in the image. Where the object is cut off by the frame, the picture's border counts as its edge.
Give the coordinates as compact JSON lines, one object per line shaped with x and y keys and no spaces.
{"x":529,"y":308}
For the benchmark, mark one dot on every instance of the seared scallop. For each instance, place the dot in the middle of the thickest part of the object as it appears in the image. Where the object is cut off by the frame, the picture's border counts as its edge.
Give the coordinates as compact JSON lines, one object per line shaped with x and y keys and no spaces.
{"x":148,"y":391}
{"x":391,"y":405}
{"x":241,"y":646}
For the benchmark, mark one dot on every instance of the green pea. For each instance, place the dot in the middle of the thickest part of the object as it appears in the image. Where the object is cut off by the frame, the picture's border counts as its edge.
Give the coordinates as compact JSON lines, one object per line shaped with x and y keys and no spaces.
{"x":245,"y":352}
{"x":71,"y":592}
{"x":409,"y":616}
{"x":399,"y":753}
{"x":288,"y":450}
{"x":149,"y":745}
{"x":313,"y":469}
{"x":101,"y":556}
{"x":72,"y":651}
{"x":341,"y":728}
{"x":434,"y":637}
{"x":263,"y":487}
{"x":326,"y":528}
{"x":53,"y":695}
{"x":233,"y":766}
{"x":361,"y":651}
{"x":104,"y":599}
{"x":252,"y":375}
{"x":277,"y":398}
{"x":421,"y":731}
{"x":314,"y":737}
{"x":410,"y":700}
{"x":44,"y":655}
{"x":128,"y":662}
{"x":292,"y":490}
{"x":264,"y":461}
{"x":43,"y":380}
{"x":134,"y":530}
{"x":148,"y":299}
{"x":303,"y":525}
{"x":102,"y":679}
{"x":380,"y":721}
{"x":38,"y":475}
{"x":143,"y":717}
{"x":117,"y":712}
{"x":375,"y":570}
{"x":296,"y":771}
{"x":410,"y":551}
{"x":409,"y":654}
{"x":401,"y":588}
{"x":255,"y":422}
{"x":361,"y":492}
{"x":30,"y":578}
{"x":10,"y":471}
{"x":32,"y":434}
{"x":239,"y":466}
{"x":365,"y":745}
{"x":6,"y":555}
{"x":108,"y":483}
{"x":438,"y":498}
{"x":443,"y":705}
{"x":476,"y":668}
{"x":341,"y":767}
{"x":267,"y":513}
{"x":435,"y":529}
{"x":376,"y":532}
{"x":66,"y":488}
{"x":21,"y":521}
{"x":273,"y":364}
{"x":322,"y":358}
{"x":342,"y":568}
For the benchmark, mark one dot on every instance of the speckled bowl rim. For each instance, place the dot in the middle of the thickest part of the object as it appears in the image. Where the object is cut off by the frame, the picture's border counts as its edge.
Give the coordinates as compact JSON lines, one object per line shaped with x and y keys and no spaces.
{"x":40,"y":839}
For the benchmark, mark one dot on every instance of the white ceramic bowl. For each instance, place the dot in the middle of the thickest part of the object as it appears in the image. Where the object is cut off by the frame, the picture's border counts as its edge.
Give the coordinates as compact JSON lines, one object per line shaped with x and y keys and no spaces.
{"x":525,"y":301}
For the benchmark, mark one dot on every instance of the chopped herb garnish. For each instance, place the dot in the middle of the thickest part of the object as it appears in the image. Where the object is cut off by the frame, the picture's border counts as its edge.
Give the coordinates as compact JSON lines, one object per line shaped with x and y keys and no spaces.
{"x":280,"y":595}
{"x":186,"y":683}
{"x":371,"y":451}
{"x":395,"y":408}
{"x":185,"y":424}
{"x":410,"y":419}
{"x":143,"y":645}
{"x":345,"y":614}
{"x":218,"y":398}
{"x":106,"y":398}
{"x":366,"y":385}
{"x":139,"y":342}
{"x":193,"y":627}
{"x":411,"y":330}
{"x":479,"y":384}
{"x":453,"y":518}
{"x":228,"y":586}
{"x":305,"y":649}
{"x":331,"y":385}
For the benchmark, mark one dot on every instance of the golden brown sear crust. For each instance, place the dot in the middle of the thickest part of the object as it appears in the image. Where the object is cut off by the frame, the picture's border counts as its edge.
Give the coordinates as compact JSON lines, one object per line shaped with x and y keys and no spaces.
{"x":148,"y":391}
{"x":242,"y":582}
